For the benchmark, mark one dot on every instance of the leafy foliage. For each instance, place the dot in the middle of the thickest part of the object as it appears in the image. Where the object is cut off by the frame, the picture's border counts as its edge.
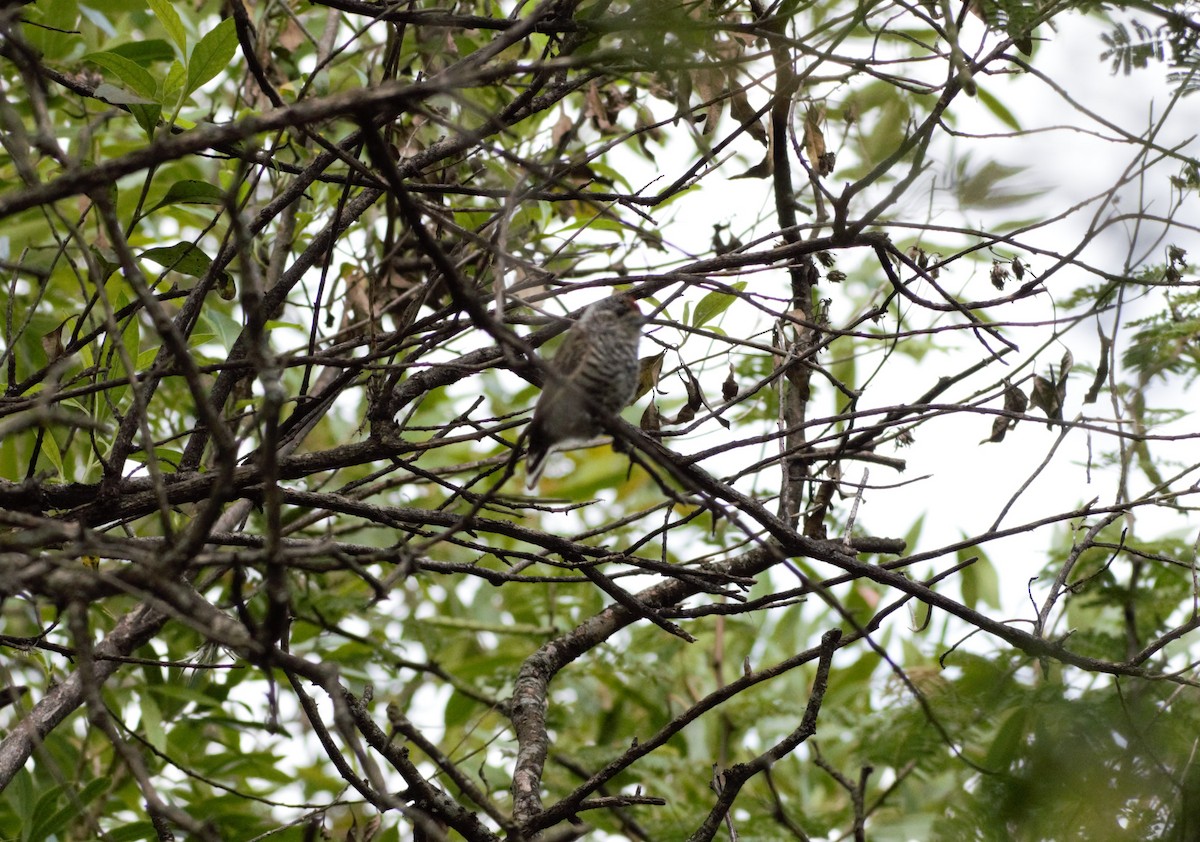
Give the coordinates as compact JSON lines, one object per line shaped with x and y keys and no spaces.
{"x":1176,"y":41}
{"x":280,"y":281}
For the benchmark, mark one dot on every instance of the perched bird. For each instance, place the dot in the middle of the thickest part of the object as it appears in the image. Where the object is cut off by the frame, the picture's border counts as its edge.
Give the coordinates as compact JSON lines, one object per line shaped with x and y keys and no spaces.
{"x":594,"y":374}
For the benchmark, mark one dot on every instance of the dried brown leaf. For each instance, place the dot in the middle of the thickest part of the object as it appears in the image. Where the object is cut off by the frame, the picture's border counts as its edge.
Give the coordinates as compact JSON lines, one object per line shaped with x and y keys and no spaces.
{"x":564,"y":125}
{"x":729,"y":388}
{"x":52,"y":343}
{"x":1045,"y":397}
{"x":651,"y":420}
{"x":814,"y":136}
{"x":649,"y":370}
{"x":1000,"y":426}
{"x":746,"y":115}
{"x":1093,"y":391}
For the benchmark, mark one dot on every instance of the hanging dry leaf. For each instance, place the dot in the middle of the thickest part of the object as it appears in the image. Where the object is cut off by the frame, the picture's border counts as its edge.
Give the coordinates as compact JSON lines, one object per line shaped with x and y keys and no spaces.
{"x":999,"y":274}
{"x":291,"y":35}
{"x":814,"y":137}
{"x":1065,"y":365}
{"x":1093,"y":391}
{"x":1000,"y":426}
{"x":1060,"y":385}
{"x":52,"y":342}
{"x":1014,"y":401}
{"x":729,"y":388}
{"x":651,"y":420}
{"x":564,"y":125}
{"x":684,"y":415}
{"x":683,"y":95}
{"x":695,"y":398}
{"x":720,"y":244}
{"x":358,"y":303}
{"x":647,"y":129}
{"x":649,"y":370}
{"x":596,"y":108}
{"x":1045,"y":397}
{"x":746,"y":115}
{"x":818,"y":507}
{"x":762,"y":169}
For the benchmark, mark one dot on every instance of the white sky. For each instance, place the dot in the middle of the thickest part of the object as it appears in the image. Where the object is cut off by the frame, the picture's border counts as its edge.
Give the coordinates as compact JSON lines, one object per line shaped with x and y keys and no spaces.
{"x":971,"y":483}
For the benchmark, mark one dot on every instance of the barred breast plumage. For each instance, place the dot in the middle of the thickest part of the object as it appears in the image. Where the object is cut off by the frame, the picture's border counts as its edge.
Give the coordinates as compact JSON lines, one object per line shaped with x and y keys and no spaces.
{"x":593,"y":375}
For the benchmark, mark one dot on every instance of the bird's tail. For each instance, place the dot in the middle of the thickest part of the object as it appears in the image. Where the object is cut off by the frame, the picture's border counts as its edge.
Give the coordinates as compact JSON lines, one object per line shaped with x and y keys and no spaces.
{"x":535,"y":463}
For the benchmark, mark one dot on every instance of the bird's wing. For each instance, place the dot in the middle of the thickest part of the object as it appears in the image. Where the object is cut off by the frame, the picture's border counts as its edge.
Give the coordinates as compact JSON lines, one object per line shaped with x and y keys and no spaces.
{"x":571,"y":353}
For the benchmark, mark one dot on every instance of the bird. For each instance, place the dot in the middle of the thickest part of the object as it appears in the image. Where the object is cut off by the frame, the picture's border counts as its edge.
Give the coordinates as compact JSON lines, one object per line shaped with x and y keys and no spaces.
{"x":593,"y":375}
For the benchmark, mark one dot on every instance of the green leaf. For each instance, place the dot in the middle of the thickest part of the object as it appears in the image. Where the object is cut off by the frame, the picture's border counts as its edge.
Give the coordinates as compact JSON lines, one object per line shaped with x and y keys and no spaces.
{"x":103,"y":265}
{"x":184,"y":695}
{"x":53,"y":454}
{"x":219,"y":326}
{"x":184,"y":258}
{"x":714,"y":304}
{"x":980,"y":583}
{"x":192,"y":192}
{"x":20,"y":796}
{"x":145,"y":52}
{"x":147,"y":117}
{"x":212,"y":55}
{"x":133,"y":76}
{"x":225,"y":287}
{"x":52,"y":825}
{"x":168,"y":457}
{"x":997,"y":107}
{"x":132,"y":832}
{"x":987,"y":186}
{"x":131,"y":338}
{"x":169,"y":18}
{"x":145,"y":358}
{"x":141,"y":91}
{"x":46,"y":815}
{"x":152,"y":724}
{"x":51,"y":27}
{"x":172,"y":84}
